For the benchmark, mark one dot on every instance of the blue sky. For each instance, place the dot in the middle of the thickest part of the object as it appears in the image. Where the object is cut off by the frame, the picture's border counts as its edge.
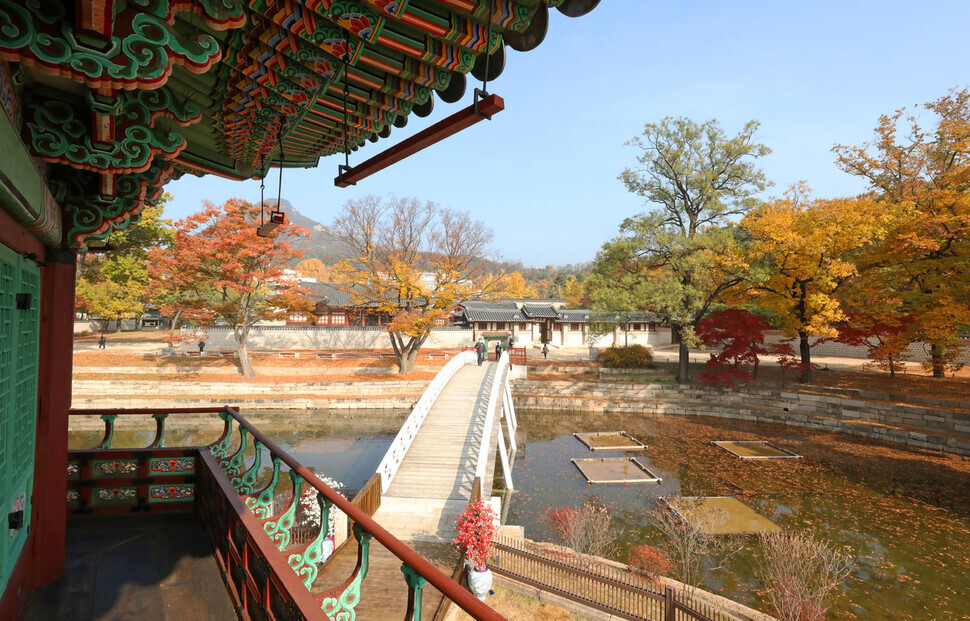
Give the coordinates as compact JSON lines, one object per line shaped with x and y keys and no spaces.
{"x":543,"y":173}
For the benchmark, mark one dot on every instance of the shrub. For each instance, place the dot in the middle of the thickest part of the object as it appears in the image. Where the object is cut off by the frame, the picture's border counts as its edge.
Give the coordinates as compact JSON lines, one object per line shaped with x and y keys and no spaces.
{"x":650,"y":563}
{"x":589,"y":530}
{"x":630,"y":357}
{"x":801,"y":574}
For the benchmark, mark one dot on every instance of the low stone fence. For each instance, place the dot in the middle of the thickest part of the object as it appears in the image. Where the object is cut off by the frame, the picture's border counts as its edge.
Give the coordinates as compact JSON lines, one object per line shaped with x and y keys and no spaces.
{"x":308,"y":395}
{"x":319,"y":338}
{"x":940,"y":425}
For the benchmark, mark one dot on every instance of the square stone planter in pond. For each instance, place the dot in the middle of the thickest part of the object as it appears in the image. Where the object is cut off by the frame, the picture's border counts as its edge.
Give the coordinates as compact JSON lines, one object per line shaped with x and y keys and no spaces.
{"x":755,"y":449}
{"x":615,"y":470}
{"x":610,"y":440}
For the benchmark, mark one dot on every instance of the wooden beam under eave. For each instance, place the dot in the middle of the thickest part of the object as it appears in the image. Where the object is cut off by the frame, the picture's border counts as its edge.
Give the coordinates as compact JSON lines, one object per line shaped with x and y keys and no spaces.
{"x":444,"y":128}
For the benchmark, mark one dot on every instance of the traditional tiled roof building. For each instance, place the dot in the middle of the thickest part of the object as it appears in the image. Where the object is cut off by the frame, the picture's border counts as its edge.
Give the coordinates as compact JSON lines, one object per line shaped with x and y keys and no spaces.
{"x":537,"y":321}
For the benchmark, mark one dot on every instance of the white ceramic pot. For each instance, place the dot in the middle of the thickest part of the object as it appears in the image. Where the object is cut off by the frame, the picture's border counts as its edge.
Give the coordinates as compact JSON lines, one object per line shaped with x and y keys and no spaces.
{"x":479,"y":581}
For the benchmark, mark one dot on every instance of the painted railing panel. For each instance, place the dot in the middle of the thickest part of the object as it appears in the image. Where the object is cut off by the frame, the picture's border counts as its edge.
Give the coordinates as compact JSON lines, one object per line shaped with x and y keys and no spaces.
{"x":269,"y":564}
{"x":409,"y":430}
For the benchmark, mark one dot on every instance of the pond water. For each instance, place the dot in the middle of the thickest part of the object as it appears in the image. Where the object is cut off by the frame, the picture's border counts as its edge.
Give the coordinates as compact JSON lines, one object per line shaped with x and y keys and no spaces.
{"x":344,"y":445}
{"x":902,"y":514}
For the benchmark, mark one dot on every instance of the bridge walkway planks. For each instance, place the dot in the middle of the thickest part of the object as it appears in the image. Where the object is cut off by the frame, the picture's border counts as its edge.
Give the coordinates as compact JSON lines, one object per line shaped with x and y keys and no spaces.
{"x":434,"y":482}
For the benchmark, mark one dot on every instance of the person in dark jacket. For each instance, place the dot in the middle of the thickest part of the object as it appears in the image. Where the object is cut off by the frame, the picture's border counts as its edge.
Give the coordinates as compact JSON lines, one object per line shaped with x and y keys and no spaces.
{"x":498,"y":349}
{"x":480,"y":351}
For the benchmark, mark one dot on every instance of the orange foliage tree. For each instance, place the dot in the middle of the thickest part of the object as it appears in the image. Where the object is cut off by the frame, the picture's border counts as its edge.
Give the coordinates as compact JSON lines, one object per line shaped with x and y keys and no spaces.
{"x":802,"y":252}
{"x":413,"y":261}
{"x":921,"y":179}
{"x":217,"y":267}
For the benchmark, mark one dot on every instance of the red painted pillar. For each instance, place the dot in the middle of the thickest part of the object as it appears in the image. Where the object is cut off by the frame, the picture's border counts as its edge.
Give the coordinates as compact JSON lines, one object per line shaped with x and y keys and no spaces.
{"x":49,"y":519}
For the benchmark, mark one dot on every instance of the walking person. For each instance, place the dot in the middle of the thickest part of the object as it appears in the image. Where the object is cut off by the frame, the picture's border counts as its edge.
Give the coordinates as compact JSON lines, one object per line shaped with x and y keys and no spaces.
{"x":102,"y":341}
{"x":498,"y":350}
{"x":480,"y":351}
{"x":545,"y":351}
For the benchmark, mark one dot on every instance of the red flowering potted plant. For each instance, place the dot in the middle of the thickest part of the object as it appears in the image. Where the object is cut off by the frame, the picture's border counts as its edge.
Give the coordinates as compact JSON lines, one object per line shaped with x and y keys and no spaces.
{"x":475,"y":533}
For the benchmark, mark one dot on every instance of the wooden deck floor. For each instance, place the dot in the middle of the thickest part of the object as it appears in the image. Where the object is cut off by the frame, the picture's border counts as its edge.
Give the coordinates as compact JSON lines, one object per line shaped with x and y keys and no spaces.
{"x":434,"y":481}
{"x":148,"y":568}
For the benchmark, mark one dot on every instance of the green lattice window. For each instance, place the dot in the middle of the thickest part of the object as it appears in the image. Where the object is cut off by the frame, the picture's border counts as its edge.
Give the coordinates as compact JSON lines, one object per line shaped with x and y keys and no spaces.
{"x":19,"y":330}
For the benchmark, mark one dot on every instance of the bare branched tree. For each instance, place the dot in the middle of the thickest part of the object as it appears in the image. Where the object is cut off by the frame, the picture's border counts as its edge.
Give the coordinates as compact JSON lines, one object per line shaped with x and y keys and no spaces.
{"x":693,"y":547}
{"x":801,"y":573}
{"x":411,"y":261}
{"x":590,"y":531}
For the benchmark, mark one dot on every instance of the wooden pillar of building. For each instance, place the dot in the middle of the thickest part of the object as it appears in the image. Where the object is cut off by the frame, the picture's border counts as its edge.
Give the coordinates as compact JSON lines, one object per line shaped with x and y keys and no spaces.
{"x":53,"y":406}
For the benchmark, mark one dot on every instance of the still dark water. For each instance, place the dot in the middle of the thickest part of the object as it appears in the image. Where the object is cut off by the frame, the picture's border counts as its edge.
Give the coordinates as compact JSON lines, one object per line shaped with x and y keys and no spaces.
{"x":346,"y":446}
{"x":904,"y":515}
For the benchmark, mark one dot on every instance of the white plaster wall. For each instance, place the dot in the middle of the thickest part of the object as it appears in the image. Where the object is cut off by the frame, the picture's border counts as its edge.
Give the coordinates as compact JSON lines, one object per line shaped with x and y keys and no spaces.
{"x":313,"y":337}
{"x":916,"y":352}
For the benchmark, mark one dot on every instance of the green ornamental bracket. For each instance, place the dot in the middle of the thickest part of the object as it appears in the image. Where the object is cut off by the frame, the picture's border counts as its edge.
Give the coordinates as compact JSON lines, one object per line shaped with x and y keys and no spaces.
{"x":232,"y":465}
{"x":109,"y":430}
{"x":416,"y":584}
{"x":305,"y":565}
{"x":279,"y":530}
{"x":219,"y":450}
{"x":343,"y":608}
{"x":245,"y":483}
{"x":262,"y":505}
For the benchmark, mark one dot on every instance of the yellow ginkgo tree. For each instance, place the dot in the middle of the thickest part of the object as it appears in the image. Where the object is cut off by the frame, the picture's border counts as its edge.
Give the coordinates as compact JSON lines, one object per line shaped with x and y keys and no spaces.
{"x":801,"y":252}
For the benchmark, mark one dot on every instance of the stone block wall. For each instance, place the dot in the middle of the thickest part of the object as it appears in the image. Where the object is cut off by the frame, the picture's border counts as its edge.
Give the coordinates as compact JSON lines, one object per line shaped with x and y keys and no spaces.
{"x":934,"y":424}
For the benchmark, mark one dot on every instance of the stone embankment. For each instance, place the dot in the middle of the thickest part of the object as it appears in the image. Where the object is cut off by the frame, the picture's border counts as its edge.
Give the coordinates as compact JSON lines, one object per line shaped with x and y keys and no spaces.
{"x":280,"y":395}
{"x":926,"y":423}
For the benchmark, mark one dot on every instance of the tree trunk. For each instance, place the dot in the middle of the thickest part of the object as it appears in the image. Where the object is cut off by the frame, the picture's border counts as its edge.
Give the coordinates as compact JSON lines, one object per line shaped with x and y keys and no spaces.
{"x":242,"y":334}
{"x":936,"y":356}
{"x":757,"y":361}
{"x":805,"y":349}
{"x":892,"y":367}
{"x":683,"y":363}
{"x":406,"y":362}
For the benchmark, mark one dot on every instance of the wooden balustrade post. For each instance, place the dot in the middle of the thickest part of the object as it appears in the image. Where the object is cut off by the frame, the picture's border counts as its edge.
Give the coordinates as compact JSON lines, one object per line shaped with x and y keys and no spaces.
{"x":670,"y":612}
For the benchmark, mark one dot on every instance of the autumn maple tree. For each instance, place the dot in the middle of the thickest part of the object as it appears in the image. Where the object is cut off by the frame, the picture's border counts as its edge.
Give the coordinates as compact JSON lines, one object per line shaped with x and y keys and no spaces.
{"x":886,"y":338}
{"x":920,"y":178}
{"x":218,"y":268}
{"x":802,"y":251}
{"x":412,"y":261}
{"x":739,"y":338}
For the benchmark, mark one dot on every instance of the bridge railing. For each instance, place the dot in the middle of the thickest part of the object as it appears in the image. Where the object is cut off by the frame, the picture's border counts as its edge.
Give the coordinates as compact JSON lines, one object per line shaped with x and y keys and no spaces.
{"x":497,"y":399}
{"x":268,"y":571}
{"x":409,"y":430}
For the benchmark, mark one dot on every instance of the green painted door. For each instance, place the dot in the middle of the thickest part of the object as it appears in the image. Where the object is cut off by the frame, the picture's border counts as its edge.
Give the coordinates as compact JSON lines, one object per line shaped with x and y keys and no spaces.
{"x":19,"y":342}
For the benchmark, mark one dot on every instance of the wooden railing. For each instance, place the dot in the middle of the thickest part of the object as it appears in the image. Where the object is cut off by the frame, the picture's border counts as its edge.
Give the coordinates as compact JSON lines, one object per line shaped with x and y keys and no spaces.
{"x":409,"y":430}
{"x":518,"y":355}
{"x":598,"y":586}
{"x":268,"y":574}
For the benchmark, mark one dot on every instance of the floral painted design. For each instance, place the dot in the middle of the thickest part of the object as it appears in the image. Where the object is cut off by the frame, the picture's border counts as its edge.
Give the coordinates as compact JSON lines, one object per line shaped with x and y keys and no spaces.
{"x":118,"y":466}
{"x":115,"y":494}
{"x":173,"y":465}
{"x":171,"y":492}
